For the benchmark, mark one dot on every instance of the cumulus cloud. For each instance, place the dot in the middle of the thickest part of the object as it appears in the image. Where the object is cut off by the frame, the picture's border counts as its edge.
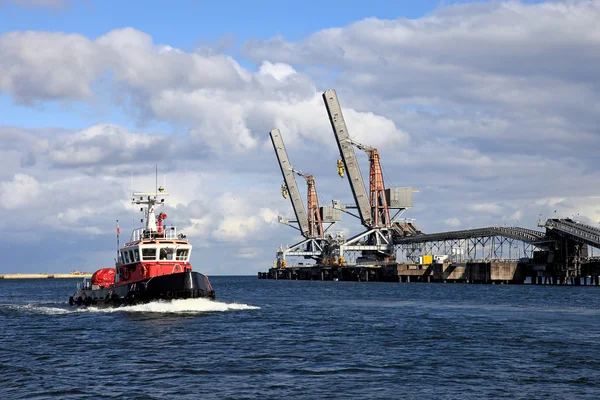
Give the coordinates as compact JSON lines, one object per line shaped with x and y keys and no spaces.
{"x":490,"y":208}
{"x":20,"y":192}
{"x":48,"y":65}
{"x":222,"y":104}
{"x":248,"y":253}
{"x":107,"y":144}
{"x":278,"y":71}
{"x":493,"y":71}
{"x":453,"y":222}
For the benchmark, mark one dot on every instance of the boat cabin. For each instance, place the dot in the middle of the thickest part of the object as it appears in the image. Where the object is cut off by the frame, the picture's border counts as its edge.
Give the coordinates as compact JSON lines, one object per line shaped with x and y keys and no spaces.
{"x":155,"y":249}
{"x":151,"y":254}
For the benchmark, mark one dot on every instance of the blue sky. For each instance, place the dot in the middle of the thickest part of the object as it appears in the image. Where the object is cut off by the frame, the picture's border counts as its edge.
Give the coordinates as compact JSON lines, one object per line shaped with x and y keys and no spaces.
{"x":181,"y":23}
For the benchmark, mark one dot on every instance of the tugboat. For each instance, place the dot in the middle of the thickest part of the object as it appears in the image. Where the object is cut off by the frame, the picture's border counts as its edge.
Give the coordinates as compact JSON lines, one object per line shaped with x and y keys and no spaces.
{"x":152,"y":265}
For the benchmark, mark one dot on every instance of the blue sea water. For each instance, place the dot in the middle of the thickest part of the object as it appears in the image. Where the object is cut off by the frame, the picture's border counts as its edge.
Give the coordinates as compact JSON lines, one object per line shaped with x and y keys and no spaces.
{"x":267,"y":339}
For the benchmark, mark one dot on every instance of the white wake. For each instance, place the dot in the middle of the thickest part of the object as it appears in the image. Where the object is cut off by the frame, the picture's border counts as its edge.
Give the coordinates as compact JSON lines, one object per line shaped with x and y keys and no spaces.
{"x":174,"y":307}
{"x":177,"y":306}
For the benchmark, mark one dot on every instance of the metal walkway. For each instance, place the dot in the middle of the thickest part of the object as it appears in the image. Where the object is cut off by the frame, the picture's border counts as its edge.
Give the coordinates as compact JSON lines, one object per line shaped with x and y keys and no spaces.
{"x":522,"y":234}
{"x":576,"y":231}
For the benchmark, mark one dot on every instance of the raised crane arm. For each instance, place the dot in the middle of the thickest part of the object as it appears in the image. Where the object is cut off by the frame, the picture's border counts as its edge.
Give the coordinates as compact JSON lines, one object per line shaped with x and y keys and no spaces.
{"x":290,"y":181}
{"x":340,"y":132}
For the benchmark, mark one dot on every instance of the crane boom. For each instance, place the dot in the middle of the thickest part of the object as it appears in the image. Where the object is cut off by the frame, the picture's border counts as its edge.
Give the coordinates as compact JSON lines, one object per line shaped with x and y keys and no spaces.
{"x":342,"y":138}
{"x":290,"y":181}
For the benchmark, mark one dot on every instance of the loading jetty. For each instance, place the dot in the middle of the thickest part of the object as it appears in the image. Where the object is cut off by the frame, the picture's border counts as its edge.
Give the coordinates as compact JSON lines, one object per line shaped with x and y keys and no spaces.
{"x":482,"y":272}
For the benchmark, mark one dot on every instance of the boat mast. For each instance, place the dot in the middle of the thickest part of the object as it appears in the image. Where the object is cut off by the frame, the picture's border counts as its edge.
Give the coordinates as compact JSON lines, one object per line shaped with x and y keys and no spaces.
{"x":118,"y":246}
{"x":150,"y":200}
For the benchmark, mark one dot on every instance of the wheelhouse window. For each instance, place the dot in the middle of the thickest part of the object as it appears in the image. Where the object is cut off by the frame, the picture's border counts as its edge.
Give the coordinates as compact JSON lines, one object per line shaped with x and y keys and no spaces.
{"x":182,"y":254}
{"x":126,"y":257}
{"x":136,"y":255}
{"x":148,"y":254}
{"x":166,"y":253}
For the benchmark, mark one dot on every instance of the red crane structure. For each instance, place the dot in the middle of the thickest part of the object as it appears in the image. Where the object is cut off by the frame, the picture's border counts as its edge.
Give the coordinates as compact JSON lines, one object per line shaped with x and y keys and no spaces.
{"x":379,"y":207}
{"x":315,"y":224}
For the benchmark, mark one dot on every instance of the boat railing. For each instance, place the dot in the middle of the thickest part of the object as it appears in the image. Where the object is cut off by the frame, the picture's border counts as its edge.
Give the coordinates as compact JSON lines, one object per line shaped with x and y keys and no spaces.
{"x":168,"y":232}
{"x":84,"y":285}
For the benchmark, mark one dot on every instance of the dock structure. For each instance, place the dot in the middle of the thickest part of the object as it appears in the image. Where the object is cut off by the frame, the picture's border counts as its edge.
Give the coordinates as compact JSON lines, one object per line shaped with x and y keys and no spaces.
{"x":44,"y":276}
{"x":476,"y":272}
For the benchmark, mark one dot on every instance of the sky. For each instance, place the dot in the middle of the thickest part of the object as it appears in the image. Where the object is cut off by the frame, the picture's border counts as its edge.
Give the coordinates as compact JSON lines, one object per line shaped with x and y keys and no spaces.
{"x":489,"y":109}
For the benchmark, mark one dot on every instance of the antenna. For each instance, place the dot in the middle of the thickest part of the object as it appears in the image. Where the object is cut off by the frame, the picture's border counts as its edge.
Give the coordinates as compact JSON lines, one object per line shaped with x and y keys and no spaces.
{"x":132,"y":208}
{"x":156,"y":180}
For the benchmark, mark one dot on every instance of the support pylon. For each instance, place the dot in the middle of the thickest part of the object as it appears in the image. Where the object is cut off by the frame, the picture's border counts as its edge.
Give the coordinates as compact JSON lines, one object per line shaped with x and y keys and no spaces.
{"x":379,"y":207}
{"x":315,"y":224}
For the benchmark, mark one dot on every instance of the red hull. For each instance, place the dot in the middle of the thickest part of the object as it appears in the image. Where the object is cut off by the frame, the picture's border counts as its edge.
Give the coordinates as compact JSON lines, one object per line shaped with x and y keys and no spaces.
{"x":148,"y":269}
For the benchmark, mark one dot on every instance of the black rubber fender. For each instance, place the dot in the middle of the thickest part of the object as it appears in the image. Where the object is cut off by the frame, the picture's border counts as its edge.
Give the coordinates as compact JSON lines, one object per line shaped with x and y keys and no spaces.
{"x":79,"y":301}
{"x":71,"y":301}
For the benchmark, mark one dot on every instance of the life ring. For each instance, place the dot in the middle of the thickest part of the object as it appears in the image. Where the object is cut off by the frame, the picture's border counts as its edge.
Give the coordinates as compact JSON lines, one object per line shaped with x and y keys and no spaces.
{"x":144,"y":270}
{"x":126,"y":273}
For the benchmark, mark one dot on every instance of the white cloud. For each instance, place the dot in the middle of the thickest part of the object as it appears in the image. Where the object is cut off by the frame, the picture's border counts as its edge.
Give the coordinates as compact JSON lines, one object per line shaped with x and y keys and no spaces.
{"x":22,"y":191}
{"x":248,"y":253}
{"x":486,"y":71}
{"x":48,"y":65}
{"x":453,"y":222}
{"x":222,"y":104}
{"x":486,"y":208}
{"x":106,"y":144}
{"x":279,"y":71}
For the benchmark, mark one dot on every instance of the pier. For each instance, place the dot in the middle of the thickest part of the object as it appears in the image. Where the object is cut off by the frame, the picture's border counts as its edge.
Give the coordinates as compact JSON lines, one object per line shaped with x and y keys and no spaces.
{"x":44,"y":276}
{"x":481,"y":272}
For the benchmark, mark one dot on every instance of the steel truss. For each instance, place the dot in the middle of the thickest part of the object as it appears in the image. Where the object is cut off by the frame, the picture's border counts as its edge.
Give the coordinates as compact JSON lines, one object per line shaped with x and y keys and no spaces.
{"x":308,"y":248}
{"x":471,"y":248}
{"x":376,"y":239}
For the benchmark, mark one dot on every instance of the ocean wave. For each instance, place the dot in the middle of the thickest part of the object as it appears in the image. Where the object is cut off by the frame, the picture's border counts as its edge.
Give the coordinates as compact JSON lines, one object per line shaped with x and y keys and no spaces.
{"x":174,"y":307}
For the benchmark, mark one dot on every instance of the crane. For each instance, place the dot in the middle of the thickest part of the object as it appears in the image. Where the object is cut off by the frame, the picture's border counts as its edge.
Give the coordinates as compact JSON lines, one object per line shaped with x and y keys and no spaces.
{"x":315,"y":224}
{"x":373,"y":208}
{"x":350,"y":163}
{"x":314,"y":244}
{"x":379,"y":207}
{"x":290,"y":185}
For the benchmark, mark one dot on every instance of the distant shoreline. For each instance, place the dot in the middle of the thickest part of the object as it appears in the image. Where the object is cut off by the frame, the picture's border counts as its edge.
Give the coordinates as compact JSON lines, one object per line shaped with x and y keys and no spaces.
{"x":44,"y":276}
